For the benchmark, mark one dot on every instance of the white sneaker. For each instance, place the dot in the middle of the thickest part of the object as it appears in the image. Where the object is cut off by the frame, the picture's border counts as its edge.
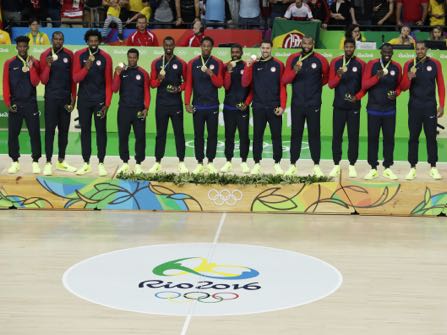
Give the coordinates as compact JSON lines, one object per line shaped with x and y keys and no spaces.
{"x":14,"y":168}
{"x":291,"y":171}
{"x":86,"y":168}
{"x":63,"y":166}
{"x":48,"y":169}
{"x":199,"y":169}
{"x":278,"y":169}
{"x":102,"y":172}
{"x":36,"y":168}
{"x":123,"y":168}
{"x":138,"y":169}
{"x":372,"y":174}
{"x":182,"y":168}
{"x":317,"y":171}
{"x":335,"y":172}
{"x":244,"y":167}
{"x":228,"y":167}
{"x":352,"y":172}
{"x":156,"y":168}
{"x":387,"y":173}
{"x":210,"y":168}
{"x":256,"y":169}
{"x":434,"y":173}
{"x":411,"y":174}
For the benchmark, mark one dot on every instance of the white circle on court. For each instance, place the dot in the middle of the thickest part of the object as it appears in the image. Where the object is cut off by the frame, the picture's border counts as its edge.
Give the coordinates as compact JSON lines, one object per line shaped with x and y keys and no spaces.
{"x":202,"y":279}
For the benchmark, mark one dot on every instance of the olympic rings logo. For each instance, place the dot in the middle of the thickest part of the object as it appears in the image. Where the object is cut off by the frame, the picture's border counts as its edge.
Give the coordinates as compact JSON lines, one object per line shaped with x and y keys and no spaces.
{"x":202,"y":297}
{"x":224,"y":197}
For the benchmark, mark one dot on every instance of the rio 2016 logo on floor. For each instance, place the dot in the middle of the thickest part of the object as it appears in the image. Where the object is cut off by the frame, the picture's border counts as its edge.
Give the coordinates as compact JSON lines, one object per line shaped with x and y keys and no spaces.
{"x":202,"y":279}
{"x":197,"y":291}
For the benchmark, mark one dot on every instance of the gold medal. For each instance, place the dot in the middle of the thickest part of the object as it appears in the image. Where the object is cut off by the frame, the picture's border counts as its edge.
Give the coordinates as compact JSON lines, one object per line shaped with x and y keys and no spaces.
{"x":413,"y":69}
{"x":385,"y":71}
{"x":162,"y":72}
{"x":233,"y":63}
{"x":299,"y":63}
{"x":55,"y":57}
{"x":344,"y":69}
{"x":91,"y":58}
{"x":25,"y":68}
{"x":203,"y":68}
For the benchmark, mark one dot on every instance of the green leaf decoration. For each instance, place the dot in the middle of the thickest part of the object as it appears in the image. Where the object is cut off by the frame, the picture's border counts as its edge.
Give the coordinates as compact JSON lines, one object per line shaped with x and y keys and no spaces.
{"x":427,"y":196}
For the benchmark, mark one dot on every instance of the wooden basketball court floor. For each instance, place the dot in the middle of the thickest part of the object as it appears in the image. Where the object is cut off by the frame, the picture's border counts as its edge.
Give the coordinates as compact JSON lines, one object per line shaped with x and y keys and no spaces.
{"x":394,"y":271}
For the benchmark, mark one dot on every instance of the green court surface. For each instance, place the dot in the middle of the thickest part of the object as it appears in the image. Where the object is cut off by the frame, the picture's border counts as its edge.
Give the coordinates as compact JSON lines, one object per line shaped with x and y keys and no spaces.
{"x":74,"y":146}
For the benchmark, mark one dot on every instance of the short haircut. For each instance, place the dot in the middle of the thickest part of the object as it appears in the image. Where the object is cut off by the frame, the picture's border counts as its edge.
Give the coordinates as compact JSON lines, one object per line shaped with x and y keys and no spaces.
{"x":133,"y":51}
{"x":421,"y":42}
{"x":207,"y":38}
{"x":32,"y":20}
{"x":22,"y":39}
{"x":141,"y":16}
{"x":169,"y":38}
{"x":307,"y":37}
{"x":92,"y":32}
{"x":267,"y":42}
{"x":349,"y":41}
{"x":58,"y":33}
{"x":237,"y":46}
{"x":386,"y":45}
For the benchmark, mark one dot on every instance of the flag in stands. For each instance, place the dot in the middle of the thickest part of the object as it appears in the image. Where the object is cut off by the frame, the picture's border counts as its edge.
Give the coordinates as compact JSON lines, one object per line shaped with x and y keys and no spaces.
{"x":288,"y":34}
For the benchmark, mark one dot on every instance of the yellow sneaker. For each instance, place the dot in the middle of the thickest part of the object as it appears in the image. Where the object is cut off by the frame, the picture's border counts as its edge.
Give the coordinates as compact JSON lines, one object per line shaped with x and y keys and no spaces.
{"x":14,"y":168}
{"x":63,"y":166}
{"x":36,"y":168}
{"x":256,"y":169}
{"x":123,"y":168}
{"x":210,"y":168}
{"x":228,"y":167}
{"x":199,"y":169}
{"x":181,"y":168}
{"x":102,"y":172}
{"x":156,"y":168}
{"x":244,"y":167}
{"x":352,"y":172}
{"x":86,"y":168}
{"x":411,"y":175}
{"x":278,"y":169}
{"x":138,"y":169}
{"x":335,"y":172}
{"x":387,"y":173}
{"x":317,"y":171}
{"x":434,"y":173}
{"x":372,"y":174}
{"x":291,"y":171}
{"x":48,"y":169}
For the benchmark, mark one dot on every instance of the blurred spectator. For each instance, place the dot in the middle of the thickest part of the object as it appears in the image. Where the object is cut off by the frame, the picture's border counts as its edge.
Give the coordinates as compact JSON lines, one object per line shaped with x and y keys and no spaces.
{"x":146,"y":11}
{"x":411,"y":12}
{"x":163,"y":13}
{"x":383,"y":11}
{"x":35,"y":36}
{"x":92,"y":12}
{"x":404,"y":38}
{"x":342,"y":13}
{"x":217,"y":12}
{"x":113,"y":16}
{"x":278,"y":8}
{"x":194,"y":38}
{"x":187,"y":12}
{"x":11,"y":12}
{"x":320,"y":11}
{"x":363,"y":11}
{"x":4,"y":37}
{"x":142,"y":36}
{"x":34,"y":9}
{"x":72,"y":11}
{"x":353,"y":32}
{"x":53,"y":12}
{"x":298,"y":11}
{"x":437,"y":34}
{"x":249,"y":14}
{"x":436,"y":12}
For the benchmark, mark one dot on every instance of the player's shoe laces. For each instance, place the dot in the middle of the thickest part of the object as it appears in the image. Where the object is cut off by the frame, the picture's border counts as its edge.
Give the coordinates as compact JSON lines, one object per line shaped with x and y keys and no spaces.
{"x":199,"y":169}
{"x":14,"y":168}
{"x":372,"y":174}
{"x":86,"y":168}
{"x":64,"y":166}
{"x":291,"y":171}
{"x":156,"y":168}
{"x":387,"y":173}
{"x":228,"y":167}
{"x":434,"y":173}
{"x":411,"y":175}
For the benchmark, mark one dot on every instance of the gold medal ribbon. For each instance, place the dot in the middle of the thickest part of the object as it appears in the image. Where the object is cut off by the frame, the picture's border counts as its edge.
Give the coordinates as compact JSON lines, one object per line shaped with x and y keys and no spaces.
{"x":301,"y":58}
{"x":385,"y":67}
{"x":25,"y":62}
{"x":416,"y":62}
